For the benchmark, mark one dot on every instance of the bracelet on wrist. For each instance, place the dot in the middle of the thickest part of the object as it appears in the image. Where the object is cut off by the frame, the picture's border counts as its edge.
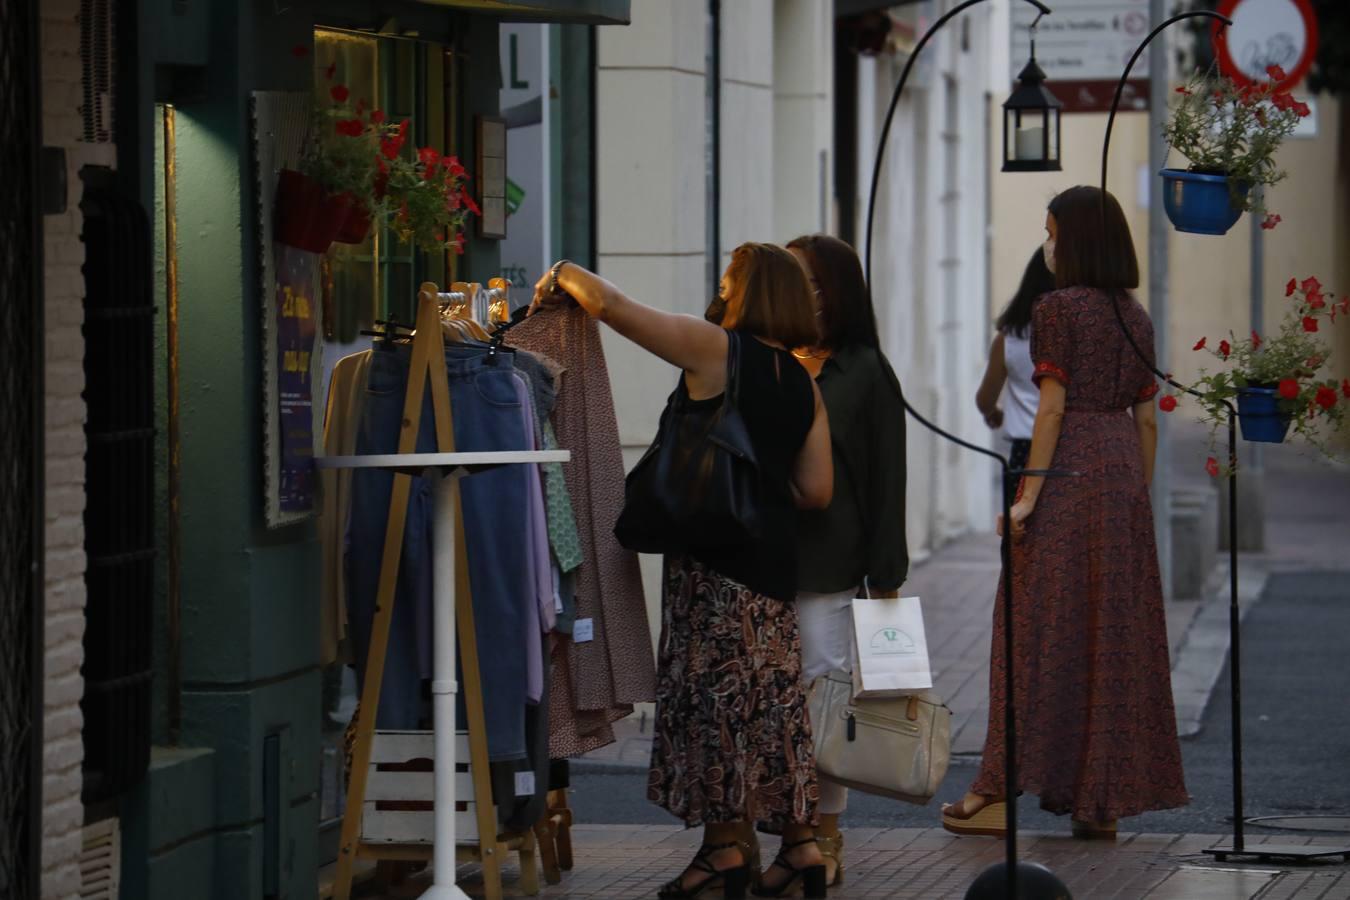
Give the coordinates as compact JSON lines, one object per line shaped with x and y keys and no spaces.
{"x":553,"y":273}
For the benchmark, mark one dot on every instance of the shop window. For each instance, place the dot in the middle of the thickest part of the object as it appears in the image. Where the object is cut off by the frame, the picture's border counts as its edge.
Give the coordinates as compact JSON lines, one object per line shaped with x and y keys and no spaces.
{"x":407,"y":79}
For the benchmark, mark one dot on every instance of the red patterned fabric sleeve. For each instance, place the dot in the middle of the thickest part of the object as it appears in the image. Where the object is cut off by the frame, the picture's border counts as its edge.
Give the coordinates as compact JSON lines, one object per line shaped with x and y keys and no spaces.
{"x":1050,"y":338}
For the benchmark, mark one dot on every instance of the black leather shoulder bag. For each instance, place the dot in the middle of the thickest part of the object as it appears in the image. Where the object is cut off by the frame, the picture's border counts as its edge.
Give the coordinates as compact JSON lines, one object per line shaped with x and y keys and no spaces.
{"x":698,"y":485}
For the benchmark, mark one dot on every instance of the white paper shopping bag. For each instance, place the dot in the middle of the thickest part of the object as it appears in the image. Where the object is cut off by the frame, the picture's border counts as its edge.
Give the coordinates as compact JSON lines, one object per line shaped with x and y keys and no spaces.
{"x":892,"y":650}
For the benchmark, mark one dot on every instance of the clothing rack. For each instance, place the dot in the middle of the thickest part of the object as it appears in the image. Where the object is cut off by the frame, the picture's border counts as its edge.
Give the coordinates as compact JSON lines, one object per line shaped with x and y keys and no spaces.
{"x":405,"y":752}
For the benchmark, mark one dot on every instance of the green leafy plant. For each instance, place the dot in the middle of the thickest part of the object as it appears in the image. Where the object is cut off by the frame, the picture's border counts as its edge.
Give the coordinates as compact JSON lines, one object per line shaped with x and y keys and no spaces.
{"x":424,"y":195}
{"x":1223,"y":129}
{"x":340,"y":153}
{"x":1293,"y":362}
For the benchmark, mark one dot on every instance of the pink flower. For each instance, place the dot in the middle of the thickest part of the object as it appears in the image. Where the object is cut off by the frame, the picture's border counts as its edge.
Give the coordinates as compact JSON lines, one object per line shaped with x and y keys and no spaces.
{"x":1311,"y":284}
{"x":1212,"y":467}
{"x":1309,"y":324}
{"x":1271,"y":221}
{"x":1326,"y":397}
{"x":1276,"y":73}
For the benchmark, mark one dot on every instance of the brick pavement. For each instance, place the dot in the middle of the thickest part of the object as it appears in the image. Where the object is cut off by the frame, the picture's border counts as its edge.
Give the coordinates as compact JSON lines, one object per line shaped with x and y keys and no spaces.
{"x":623,"y":862}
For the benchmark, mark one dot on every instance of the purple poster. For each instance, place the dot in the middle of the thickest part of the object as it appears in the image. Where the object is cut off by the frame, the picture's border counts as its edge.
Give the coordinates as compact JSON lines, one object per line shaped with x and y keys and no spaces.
{"x":297,"y":272}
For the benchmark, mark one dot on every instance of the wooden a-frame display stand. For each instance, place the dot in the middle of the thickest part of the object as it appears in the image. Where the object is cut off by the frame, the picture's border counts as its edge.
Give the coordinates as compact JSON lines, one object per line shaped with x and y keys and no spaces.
{"x":453,"y":614}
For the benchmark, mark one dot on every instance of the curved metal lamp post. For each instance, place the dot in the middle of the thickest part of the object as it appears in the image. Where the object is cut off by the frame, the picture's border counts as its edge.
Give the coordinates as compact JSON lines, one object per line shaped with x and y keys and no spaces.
{"x":1002,"y":879}
{"x":1237,"y":846}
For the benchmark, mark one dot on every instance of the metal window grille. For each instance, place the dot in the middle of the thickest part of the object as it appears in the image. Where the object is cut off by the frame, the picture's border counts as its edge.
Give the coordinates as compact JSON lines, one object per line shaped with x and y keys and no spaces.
{"x":119,"y":465}
{"x":97,"y":62}
{"x":20,"y":454}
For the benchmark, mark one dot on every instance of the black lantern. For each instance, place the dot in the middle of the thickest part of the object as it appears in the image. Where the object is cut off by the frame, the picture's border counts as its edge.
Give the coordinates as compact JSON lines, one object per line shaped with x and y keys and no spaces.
{"x":1031,"y":122}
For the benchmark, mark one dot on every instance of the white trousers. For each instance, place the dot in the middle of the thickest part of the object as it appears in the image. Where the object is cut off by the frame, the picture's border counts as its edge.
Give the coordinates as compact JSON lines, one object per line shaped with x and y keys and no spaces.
{"x":826,"y":623}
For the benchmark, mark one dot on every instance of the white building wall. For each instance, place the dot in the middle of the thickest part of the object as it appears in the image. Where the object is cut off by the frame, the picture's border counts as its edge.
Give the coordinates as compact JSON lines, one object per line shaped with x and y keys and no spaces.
{"x":64,"y":561}
{"x":929,"y":259}
{"x":803,"y":123}
{"x":651,"y":231}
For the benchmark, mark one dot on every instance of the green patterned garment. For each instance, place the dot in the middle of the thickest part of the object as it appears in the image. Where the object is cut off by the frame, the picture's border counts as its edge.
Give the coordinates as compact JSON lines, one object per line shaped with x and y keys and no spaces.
{"x":562,"y":523}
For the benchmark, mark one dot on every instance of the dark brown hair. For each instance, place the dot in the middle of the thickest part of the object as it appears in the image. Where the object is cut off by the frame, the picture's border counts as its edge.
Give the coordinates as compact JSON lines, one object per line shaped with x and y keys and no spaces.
{"x":1090,"y":252}
{"x":1036,"y":280}
{"x":771,"y":297}
{"x":846,"y":314}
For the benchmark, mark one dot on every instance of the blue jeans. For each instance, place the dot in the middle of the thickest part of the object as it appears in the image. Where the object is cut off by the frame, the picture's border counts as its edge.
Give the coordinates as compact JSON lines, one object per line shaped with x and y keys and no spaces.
{"x":487,"y":416}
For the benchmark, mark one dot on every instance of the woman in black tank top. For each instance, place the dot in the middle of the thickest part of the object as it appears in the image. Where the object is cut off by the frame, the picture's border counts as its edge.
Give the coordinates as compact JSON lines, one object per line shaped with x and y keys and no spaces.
{"x":733,"y":742}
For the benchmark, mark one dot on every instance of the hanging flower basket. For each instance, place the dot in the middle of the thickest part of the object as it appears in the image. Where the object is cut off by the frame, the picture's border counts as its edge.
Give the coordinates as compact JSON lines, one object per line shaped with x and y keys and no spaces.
{"x":1229,"y":134}
{"x":1198,"y":203}
{"x":1260,"y":417}
{"x":356,"y":226}
{"x":307,"y":216}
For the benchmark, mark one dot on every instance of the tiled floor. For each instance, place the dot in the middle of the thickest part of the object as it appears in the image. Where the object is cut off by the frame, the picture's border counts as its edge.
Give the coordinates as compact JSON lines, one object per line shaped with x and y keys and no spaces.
{"x":628,"y":862}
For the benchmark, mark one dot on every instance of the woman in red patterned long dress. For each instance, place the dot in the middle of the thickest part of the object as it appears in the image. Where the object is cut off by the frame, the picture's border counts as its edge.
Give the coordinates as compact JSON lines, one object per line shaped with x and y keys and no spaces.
{"x":1096,"y":728}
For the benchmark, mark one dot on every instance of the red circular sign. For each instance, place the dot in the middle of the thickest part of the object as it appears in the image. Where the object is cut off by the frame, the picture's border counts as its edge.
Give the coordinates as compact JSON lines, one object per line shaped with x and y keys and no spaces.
{"x":1265,"y":33}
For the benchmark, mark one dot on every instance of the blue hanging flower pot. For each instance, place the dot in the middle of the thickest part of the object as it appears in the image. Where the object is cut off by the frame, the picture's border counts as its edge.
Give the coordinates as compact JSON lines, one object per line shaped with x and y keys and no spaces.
{"x":1198,"y":203}
{"x":1260,"y":417}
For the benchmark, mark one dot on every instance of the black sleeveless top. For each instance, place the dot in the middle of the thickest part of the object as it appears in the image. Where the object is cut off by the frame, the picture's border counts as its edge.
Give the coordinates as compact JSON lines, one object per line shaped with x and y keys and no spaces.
{"x":778,"y":407}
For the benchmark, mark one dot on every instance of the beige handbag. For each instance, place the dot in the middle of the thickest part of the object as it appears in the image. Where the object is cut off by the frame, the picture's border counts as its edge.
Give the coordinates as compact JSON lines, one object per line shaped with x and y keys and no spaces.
{"x":896,"y":747}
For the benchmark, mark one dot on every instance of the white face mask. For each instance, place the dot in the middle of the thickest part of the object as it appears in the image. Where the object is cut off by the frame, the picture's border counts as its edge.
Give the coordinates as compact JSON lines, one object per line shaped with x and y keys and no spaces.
{"x":1048,"y":251}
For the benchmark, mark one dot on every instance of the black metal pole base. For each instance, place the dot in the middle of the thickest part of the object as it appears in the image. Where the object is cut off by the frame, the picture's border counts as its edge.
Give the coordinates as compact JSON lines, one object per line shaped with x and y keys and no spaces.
{"x":1034,"y":882}
{"x":1273,"y":852}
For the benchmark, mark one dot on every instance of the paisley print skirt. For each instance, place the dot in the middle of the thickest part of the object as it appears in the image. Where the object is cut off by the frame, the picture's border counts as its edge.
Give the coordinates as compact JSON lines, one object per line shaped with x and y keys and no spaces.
{"x":732,"y":742}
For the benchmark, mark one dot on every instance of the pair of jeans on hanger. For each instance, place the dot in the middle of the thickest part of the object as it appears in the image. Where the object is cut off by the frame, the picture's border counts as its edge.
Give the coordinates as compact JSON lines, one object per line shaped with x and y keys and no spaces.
{"x":487,"y":416}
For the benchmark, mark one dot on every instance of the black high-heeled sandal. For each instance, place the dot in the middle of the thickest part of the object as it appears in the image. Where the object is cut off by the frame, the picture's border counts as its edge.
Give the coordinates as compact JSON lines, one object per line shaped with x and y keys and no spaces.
{"x":812,"y":877}
{"x":733,"y":882}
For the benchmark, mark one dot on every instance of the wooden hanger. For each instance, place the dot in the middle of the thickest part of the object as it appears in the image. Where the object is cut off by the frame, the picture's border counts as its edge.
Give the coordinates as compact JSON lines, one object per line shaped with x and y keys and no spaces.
{"x":499,"y":307}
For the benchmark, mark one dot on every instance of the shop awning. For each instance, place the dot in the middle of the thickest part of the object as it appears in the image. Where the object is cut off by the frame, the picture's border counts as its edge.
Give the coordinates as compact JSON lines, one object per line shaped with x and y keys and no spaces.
{"x":586,"y":12}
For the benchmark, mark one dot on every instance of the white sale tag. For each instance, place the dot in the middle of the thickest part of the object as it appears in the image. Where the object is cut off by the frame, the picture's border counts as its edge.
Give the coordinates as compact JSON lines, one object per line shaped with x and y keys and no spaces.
{"x":583,"y":631}
{"x":524,"y":784}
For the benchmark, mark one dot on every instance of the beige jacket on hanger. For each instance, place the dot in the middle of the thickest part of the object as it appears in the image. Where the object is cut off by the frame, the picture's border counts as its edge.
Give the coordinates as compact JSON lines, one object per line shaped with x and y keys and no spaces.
{"x":346,"y":399}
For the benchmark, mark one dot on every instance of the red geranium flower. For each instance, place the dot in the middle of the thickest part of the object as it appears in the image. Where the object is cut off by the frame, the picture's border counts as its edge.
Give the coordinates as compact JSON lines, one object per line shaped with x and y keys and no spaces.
{"x":1271,"y":221}
{"x":350,"y":127}
{"x":340,"y":93}
{"x":1256,"y":341}
{"x":454,"y":167}
{"x":403,"y":128}
{"x":1309,"y":324}
{"x":1345,"y":386}
{"x":1167,"y":403}
{"x":429,"y":157}
{"x":390,"y":147}
{"x":1282,"y":101}
{"x":1326,"y":397}
{"x":1311,"y":284}
{"x":1302,"y":109}
{"x":1200,"y":344}
{"x":299,"y":51}
{"x":473,"y":207}
{"x":1316,"y":300}
{"x":1276,"y":73}
{"x":1184,"y":90}
{"x":1225,"y":348}
{"x":1289,"y":389}
{"x":1212,"y":467}
{"x":377,"y":116}
{"x":1291,"y":287}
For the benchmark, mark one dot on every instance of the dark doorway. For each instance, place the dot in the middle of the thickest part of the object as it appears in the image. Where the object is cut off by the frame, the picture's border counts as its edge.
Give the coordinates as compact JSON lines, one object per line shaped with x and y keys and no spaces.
{"x":21,"y":471}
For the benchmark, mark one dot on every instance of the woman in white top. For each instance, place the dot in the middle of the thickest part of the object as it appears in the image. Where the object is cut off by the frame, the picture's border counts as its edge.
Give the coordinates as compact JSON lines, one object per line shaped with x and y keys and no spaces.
{"x":1010,"y":363}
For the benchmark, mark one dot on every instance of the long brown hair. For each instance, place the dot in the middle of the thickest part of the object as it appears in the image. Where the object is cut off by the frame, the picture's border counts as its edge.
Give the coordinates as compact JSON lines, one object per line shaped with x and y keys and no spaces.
{"x":1090,"y":252}
{"x":846,"y":313}
{"x":770,"y":297}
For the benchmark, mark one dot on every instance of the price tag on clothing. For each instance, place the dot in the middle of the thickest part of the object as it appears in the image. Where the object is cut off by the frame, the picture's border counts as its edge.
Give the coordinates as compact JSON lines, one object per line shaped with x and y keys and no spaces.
{"x":524,"y":784}
{"x":583,"y":631}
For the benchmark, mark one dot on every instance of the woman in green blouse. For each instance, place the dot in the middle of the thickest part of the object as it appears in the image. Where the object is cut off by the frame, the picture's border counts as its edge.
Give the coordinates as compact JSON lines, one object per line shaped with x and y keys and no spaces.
{"x":858,"y":541}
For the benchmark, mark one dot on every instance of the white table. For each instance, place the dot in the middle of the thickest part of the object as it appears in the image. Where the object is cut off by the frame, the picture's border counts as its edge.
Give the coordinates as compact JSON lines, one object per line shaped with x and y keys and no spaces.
{"x":450,"y":467}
